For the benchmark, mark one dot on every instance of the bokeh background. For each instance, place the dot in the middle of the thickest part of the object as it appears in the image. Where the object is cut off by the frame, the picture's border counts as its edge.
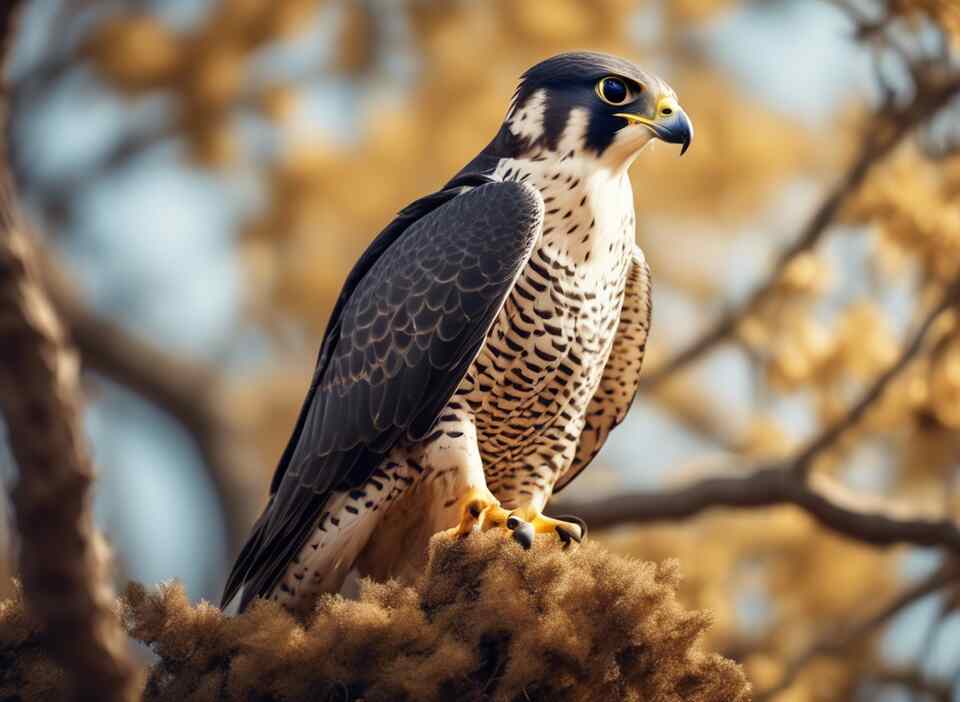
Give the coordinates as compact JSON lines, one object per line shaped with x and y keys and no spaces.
{"x":202,"y":174}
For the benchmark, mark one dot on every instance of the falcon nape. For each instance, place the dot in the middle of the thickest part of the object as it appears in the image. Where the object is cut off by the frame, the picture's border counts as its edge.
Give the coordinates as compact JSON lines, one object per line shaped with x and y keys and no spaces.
{"x":481,"y":349}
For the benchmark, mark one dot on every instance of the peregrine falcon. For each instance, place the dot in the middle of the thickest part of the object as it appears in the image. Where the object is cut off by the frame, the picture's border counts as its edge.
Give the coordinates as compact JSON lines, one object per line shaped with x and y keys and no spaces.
{"x":481,"y":349}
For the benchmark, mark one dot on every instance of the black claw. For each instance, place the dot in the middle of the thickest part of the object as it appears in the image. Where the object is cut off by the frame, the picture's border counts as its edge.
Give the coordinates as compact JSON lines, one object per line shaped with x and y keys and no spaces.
{"x":523,"y":534}
{"x":579,"y":522}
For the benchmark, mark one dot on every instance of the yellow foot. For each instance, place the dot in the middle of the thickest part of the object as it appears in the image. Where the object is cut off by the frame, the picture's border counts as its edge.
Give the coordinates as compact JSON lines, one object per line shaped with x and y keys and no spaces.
{"x":525,"y":522}
{"x":479,"y":510}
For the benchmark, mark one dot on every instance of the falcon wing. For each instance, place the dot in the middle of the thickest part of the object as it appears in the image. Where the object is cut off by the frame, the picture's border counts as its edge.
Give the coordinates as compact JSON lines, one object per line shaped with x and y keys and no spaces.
{"x":410,"y":320}
{"x":621,"y":375}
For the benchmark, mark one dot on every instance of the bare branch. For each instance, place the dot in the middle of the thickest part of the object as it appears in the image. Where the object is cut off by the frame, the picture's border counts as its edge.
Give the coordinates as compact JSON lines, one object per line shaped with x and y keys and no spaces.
{"x":188,"y":390}
{"x":879,"y":524}
{"x":834,"y":643}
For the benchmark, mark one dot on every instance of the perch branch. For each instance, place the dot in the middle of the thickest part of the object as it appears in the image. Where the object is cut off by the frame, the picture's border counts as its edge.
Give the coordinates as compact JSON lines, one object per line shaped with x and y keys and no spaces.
{"x":788,"y":482}
{"x":888,"y":128}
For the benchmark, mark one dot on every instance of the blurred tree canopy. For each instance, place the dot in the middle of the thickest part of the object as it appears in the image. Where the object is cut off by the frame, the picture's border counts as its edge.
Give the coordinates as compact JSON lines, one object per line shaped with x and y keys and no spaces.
{"x":806,"y":336}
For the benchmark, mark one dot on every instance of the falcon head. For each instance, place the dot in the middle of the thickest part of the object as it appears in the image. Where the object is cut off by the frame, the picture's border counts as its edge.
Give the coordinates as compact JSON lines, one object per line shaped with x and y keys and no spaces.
{"x":594,"y":104}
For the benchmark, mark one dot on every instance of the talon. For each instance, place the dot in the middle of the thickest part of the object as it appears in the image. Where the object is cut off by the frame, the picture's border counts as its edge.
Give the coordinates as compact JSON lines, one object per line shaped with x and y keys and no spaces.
{"x":579,"y":522}
{"x":523,"y":533}
{"x":481,"y":511}
{"x":567,"y":536}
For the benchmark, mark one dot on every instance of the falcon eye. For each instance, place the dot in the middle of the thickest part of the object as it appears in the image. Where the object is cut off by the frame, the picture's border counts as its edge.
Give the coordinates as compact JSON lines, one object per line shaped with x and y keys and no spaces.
{"x":613,"y":91}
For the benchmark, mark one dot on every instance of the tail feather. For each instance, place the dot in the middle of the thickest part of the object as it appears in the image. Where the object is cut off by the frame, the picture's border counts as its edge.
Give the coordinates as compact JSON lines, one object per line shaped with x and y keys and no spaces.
{"x":242,"y":565}
{"x":328,"y":554}
{"x":322,"y":554}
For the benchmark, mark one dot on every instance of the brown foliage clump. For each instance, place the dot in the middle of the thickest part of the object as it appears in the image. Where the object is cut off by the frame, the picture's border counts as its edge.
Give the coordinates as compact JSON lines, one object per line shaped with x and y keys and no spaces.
{"x":487,"y":621}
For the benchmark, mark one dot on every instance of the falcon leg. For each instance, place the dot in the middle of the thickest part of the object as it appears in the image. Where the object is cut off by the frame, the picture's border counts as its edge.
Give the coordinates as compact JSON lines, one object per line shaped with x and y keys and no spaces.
{"x":528,"y":495}
{"x":456,"y":478}
{"x":479,"y":511}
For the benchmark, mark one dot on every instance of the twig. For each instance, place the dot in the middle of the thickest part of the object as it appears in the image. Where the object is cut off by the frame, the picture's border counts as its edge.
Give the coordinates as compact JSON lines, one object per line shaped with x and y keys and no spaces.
{"x":829,"y":436}
{"x":833,"y":643}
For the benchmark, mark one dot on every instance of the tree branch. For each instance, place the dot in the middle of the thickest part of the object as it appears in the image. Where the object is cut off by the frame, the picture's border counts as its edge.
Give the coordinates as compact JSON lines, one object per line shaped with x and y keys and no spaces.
{"x":189,"y":391}
{"x":912,"y":679}
{"x":63,"y":561}
{"x":829,"y":436}
{"x":879,"y":525}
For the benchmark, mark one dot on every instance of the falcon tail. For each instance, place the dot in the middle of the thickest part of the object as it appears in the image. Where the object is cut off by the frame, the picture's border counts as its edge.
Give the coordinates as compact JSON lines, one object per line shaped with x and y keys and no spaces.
{"x":328,"y":555}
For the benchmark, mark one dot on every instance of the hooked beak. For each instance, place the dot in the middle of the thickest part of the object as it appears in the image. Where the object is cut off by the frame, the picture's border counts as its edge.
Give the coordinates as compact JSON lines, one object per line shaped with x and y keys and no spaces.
{"x":670,"y":124}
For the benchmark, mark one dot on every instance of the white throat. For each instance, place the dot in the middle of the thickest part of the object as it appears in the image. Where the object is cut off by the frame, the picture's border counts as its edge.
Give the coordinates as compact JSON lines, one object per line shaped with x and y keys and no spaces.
{"x":589,"y":211}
